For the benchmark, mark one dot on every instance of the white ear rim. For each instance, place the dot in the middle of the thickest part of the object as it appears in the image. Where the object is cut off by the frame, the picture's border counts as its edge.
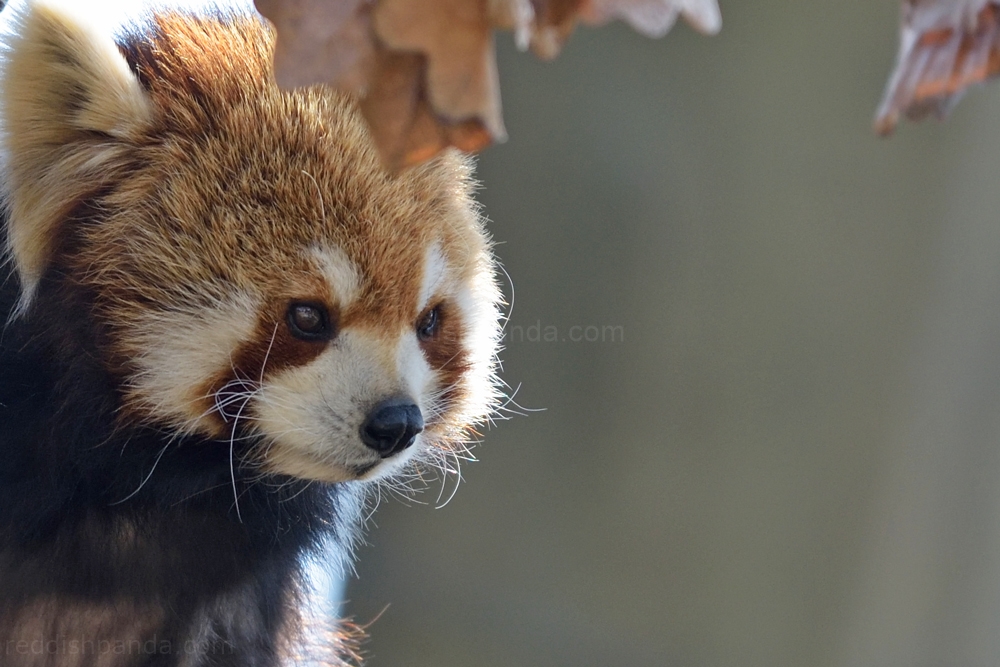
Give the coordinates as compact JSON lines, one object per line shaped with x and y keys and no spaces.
{"x":69,"y":108}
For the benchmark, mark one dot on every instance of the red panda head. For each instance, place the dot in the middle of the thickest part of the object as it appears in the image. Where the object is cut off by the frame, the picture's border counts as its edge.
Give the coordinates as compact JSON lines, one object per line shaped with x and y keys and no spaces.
{"x":252,"y":270}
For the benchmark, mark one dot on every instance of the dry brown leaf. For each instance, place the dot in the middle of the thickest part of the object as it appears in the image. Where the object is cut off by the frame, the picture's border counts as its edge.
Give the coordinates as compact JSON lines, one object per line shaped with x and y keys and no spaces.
{"x":426,"y":69}
{"x":555,"y":20}
{"x":654,"y":18}
{"x":321,"y":41}
{"x":406,"y":129}
{"x":945,"y":46}
{"x":552,"y":24}
{"x":515,"y":15}
{"x":457,"y":39}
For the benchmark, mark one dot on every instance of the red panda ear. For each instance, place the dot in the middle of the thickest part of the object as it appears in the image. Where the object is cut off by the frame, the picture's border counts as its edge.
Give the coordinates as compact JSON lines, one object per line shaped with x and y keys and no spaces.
{"x":70,"y":110}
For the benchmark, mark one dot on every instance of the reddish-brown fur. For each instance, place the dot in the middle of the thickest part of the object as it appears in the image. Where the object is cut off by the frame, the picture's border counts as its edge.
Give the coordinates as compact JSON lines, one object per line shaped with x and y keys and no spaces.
{"x":259,"y":188}
{"x":169,"y":207}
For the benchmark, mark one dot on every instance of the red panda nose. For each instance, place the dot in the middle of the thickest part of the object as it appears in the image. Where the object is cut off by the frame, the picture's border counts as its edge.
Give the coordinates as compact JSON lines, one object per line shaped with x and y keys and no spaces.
{"x":392,"y":426}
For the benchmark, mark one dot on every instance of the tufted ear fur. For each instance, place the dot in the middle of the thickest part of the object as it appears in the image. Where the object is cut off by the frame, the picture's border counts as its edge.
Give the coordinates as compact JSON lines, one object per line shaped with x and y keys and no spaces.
{"x":71,"y":111}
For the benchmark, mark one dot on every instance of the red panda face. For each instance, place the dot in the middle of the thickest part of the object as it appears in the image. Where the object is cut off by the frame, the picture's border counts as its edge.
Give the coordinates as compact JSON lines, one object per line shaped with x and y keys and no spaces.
{"x":255,"y":273}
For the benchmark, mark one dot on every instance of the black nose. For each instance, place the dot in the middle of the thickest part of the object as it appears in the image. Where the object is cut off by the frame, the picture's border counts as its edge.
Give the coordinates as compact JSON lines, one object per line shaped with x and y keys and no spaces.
{"x":392,"y":426}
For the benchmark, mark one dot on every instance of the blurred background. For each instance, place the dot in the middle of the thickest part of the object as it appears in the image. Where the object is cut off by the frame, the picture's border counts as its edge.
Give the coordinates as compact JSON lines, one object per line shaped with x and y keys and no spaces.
{"x":776,"y":440}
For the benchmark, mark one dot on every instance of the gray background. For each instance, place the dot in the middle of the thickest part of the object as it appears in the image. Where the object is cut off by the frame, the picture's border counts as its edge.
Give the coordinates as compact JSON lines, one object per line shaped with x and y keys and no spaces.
{"x":792,"y":457}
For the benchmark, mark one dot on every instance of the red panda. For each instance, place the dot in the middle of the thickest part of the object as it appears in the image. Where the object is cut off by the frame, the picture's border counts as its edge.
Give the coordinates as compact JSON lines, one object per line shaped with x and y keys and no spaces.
{"x":224,"y":322}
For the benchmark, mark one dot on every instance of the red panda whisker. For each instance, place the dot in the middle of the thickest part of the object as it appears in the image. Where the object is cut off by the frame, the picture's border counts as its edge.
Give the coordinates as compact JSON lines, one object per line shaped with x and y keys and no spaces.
{"x":373,"y":499}
{"x":225,"y":398}
{"x":443,"y":477}
{"x":232,"y":470}
{"x":146,"y":478}
{"x":202,"y":491}
{"x":402,"y":489}
{"x":298,"y":493}
{"x":267,"y":354}
{"x":521,"y":411}
{"x":458,"y":481}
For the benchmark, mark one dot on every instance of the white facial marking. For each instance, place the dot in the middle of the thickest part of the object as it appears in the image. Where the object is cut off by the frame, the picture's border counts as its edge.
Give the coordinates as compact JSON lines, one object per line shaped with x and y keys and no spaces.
{"x":339,"y":271}
{"x":182,"y":349}
{"x":434,"y":270}
{"x":477,"y":302}
{"x":415,"y":373}
{"x":313,"y":413}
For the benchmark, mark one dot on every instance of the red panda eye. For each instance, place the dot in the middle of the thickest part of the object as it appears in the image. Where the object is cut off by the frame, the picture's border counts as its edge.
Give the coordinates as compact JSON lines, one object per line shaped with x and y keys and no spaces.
{"x":429,"y":324}
{"x":309,"y":321}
